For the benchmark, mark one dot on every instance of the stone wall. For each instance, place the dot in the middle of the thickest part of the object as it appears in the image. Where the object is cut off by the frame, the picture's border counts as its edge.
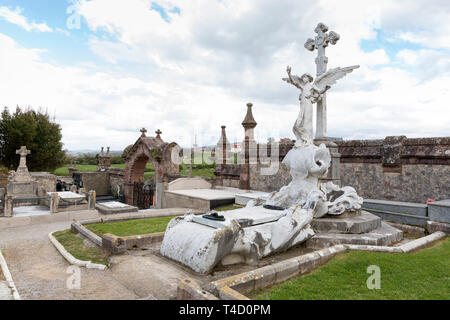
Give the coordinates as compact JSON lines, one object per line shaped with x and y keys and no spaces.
{"x":397,"y":168}
{"x":227,"y":175}
{"x":98,"y":181}
{"x":3,"y":180}
{"x":46,"y":182}
{"x":115,"y":180}
{"x":394,"y":168}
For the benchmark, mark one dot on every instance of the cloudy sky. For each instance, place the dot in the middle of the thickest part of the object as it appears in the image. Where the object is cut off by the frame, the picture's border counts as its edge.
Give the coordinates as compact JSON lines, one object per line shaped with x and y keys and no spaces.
{"x":106,"y":68}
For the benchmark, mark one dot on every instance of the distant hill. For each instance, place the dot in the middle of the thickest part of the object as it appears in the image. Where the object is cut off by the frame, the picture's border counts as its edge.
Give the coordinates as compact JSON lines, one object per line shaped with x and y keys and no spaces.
{"x":92,"y":152}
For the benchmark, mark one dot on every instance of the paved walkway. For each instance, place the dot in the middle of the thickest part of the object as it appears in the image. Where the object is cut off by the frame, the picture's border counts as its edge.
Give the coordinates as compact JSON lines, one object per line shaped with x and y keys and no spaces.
{"x":39,"y":271}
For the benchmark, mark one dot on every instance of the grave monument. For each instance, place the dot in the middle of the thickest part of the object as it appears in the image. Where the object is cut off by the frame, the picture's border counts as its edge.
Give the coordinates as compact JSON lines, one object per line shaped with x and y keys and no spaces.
{"x":291,"y":216}
{"x":21,"y":184}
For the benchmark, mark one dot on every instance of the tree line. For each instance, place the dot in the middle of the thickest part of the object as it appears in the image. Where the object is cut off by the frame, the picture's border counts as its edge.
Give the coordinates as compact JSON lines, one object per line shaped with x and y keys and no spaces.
{"x":36,"y":131}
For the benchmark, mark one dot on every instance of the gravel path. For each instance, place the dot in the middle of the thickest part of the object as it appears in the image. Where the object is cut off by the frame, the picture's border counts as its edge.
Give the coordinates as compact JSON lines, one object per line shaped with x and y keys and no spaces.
{"x":39,"y":271}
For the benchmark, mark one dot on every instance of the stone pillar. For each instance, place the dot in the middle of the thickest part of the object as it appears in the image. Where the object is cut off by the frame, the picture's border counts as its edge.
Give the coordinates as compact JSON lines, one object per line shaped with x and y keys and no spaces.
{"x":334,"y":173}
{"x":8,"y":210}
{"x":54,"y":202}
{"x":92,"y":200}
{"x":107,"y":159}
{"x":159,"y":198}
{"x":128,"y":189}
{"x":244,"y":176}
{"x":191,"y":162}
{"x":249,"y":149}
{"x":72,"y":170}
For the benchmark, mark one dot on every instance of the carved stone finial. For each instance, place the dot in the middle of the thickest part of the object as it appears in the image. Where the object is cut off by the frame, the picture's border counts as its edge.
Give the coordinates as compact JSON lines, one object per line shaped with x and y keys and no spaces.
{"x":249,"y":122}
{"x":158,"y":134}
{"x":107,"y":150}
{"x":102,"y":151}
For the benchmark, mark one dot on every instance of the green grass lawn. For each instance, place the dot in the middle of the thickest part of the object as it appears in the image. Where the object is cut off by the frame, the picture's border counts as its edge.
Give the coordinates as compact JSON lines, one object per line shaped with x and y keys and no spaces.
{"x":76,"y":248}
{"x":228,"y":207}
{"x":421,"y":275}
{"x":204,"y":172}
{"x":131,"y":227}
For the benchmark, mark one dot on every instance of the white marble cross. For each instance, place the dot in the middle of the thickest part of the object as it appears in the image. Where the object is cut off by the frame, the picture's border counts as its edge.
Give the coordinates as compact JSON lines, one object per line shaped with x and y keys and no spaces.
{"x":23,"y":152}
{"x":320,"y":42}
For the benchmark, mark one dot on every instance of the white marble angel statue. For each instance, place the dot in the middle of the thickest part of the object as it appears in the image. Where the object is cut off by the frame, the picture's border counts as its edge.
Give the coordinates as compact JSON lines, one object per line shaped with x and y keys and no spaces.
{"x":311,"y":93}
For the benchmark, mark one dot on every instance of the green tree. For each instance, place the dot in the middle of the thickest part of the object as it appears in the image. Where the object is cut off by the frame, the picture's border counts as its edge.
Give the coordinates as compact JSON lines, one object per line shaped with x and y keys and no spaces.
{"x":37,"y":132}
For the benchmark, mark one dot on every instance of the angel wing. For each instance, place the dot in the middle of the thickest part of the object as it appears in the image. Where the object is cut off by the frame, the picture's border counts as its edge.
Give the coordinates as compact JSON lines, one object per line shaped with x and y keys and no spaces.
{"x":324,"y":81}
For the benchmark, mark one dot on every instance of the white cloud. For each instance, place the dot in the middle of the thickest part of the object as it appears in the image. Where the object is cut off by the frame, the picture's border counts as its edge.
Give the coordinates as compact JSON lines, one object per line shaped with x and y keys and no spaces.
{"x":207,"y":62}
{"x":15,"y":16}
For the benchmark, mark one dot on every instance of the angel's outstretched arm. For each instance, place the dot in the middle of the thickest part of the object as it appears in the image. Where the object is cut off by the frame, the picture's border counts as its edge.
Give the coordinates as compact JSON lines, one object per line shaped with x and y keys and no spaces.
{"x":293,"y":80}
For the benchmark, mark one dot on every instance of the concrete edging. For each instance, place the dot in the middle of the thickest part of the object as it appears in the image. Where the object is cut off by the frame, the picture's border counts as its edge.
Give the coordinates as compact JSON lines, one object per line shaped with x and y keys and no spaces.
{"x":9,"y":278}
{"x":71,"y":259}
{"x":76,"y":226}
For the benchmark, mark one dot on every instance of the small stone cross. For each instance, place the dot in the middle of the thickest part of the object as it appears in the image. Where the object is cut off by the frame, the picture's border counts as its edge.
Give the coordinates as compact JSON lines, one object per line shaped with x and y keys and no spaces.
{"x":143,"y":131}
{"x":158,"y":133}
{"x":23,"y":152}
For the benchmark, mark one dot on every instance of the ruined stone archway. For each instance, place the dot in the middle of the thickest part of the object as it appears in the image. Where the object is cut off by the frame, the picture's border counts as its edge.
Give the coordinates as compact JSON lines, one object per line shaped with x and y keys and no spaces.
{"x":148,"y":149}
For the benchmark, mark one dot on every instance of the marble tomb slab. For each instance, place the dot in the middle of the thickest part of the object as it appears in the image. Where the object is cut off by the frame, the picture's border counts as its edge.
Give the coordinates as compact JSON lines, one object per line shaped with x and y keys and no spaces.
{"x":246,"y":217}
{"x":114,"y":207}
{"x":439,"y":211}
{"x":243,"y":198}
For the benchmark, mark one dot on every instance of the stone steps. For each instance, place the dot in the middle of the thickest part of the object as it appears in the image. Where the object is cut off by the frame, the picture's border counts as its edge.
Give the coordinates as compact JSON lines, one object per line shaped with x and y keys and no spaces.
{"x":363,"y":223}
{"x":385,"y":235}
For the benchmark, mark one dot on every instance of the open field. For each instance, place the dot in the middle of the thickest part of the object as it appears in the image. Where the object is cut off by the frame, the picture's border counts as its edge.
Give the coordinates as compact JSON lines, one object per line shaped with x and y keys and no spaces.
{"x":64,"y":171}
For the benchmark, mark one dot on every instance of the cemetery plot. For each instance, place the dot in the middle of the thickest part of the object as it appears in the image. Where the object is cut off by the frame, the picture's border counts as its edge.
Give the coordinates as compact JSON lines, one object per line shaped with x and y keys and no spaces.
{"x":131,"y":227}
{"x":76,"y":246}
{"x":403,"y":276}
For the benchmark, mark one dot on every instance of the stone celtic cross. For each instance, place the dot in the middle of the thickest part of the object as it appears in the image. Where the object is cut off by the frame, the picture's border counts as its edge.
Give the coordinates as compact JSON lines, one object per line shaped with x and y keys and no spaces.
{"x":158,"y":133}
{"x":23,"y":152}
{"x":320,"y":42}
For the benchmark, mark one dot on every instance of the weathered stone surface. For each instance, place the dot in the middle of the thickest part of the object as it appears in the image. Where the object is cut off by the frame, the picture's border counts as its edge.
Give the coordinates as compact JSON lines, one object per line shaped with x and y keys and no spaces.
{"x":188,"y":289}
{"x":201,"y":199}
{"x":424,"y":174}
{"x":363,"y":223}
{"x":114,"y":207}
{"x":439,"y":211}
{"x":397,"y":211}
{"x":419,"y":171}
{"x":417,"y":209}
{"x":97,"y":181}
{"x":189,"y":184}
{"x":433,"y":226}
{"x":383,"y":236}
{"x":243,"y":198}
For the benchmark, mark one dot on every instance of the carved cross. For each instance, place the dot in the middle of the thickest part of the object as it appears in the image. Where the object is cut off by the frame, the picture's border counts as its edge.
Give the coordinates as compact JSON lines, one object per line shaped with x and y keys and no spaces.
{"x":320,"y":42}
{"x":23,"y":152}
{"x":158,"y":133}
{"x":143,"y":131}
